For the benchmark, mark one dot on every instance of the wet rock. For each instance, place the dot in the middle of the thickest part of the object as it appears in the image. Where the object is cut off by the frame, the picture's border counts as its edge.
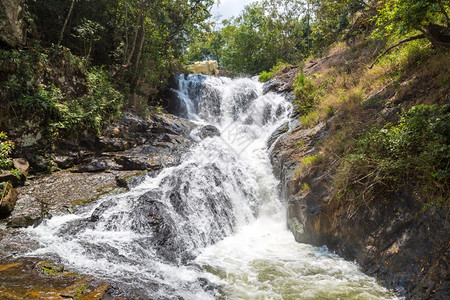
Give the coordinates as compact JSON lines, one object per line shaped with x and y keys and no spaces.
{"x":22,"y":221}
{"x":9,"y":266}
{"x":61,"y":192}
{"x":281,"y":84}
{"x":395,"y":240}
{"x":28,"y":278}
{"x":40,"y":163}
{"x":49,"y":268}
{"x":95,"y":165}
{"x":77,"y":289}
{"x":8,"y":198}
{"x":134,"y":163}
{"x":28,"y":211}
{"x":64,"y":161}
{"x":97,"y":294}
{"x":113,"y":144}
{"x":8,"y":176}
{"x":207,"y":131}
{"x":277,"y":134}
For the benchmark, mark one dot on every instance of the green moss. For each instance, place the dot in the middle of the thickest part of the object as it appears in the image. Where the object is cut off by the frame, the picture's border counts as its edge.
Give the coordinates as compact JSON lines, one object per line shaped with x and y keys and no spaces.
{"x":48,"y":271}
{"x":312,"y":160}
{"x":305,"y":188}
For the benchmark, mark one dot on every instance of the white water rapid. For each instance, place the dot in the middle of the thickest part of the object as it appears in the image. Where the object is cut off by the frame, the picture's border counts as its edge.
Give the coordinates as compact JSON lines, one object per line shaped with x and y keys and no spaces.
{"x":212,"y":227}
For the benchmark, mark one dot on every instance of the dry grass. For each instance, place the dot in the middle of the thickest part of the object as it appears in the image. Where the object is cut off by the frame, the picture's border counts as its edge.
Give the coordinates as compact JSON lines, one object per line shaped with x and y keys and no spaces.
{"x":413,"y":72}
{"x":359,"y":97}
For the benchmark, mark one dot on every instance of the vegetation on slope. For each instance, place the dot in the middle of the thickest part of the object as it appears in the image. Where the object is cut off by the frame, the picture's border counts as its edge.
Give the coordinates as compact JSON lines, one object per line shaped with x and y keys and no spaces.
{"x":388,"y":125}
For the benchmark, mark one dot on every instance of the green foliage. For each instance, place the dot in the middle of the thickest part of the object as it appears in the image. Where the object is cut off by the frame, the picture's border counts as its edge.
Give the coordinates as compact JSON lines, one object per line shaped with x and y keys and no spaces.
{"x":403,"y":16}
{"x":92,"y":111}
{"x":48,"y":271}
{"x":277,"y":69}
{"x":265,"y":76}
{"x":306,"y":93}
{"x":415,"y":150}
{"x":265,"y":33}
{"x":6,"y":147}
{"x":332,"y":19}
{"x":88,"y":32}
{"x":33,"y":92}
{"x":305,"y":188}
{"x":139,"y":41}
{"x":81,"y":291}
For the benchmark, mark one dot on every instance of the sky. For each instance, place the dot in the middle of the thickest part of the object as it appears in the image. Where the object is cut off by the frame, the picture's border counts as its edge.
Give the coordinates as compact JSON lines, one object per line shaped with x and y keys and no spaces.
{"x":229,"y":8}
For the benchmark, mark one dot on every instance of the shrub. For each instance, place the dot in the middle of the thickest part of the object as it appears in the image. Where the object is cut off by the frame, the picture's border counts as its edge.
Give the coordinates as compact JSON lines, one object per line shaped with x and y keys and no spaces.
{"x":305,"y":92}
{"x":415,"y":150}
{"x":265,"y":76}
{"x":31,"y":84}
{"x":90,"y":112}
{"x":6,"y":147}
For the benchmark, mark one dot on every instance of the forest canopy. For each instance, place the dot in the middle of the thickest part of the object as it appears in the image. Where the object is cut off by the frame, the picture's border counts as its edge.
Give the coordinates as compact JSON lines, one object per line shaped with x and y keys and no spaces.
{"x":137,"y":44}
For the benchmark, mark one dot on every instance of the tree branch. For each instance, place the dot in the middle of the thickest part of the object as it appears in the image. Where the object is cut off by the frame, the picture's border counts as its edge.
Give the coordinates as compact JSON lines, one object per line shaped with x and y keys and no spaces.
{"x":444,"y":13}
{"x":413,"y":38}
{"x":65,"y":22}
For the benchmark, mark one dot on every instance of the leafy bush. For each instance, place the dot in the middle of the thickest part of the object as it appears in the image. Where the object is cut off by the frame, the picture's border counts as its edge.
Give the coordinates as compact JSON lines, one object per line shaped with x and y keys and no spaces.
{"x":33,"y":89}
{"x":90,"y":112}
{"x":415,"y":150}
{"x":265,"y":76}
{"x":6,"y":147}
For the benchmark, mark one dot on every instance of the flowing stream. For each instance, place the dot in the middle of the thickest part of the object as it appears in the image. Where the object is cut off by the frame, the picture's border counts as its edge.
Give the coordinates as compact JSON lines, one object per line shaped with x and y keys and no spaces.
{"x":212,"y":227}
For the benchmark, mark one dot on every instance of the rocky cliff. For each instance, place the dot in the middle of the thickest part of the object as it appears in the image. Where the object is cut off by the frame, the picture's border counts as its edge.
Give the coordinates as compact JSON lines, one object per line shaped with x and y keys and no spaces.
{"x":391,"y":236}
{"x":12,"y":24}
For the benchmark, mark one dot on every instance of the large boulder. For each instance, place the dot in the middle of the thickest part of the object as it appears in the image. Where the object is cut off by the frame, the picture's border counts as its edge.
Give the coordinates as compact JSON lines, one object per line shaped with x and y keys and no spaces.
{"x":12,"y":23}
{"x":210,"y":67}
{"x":8,"y":198}
{"x":22,"y":165}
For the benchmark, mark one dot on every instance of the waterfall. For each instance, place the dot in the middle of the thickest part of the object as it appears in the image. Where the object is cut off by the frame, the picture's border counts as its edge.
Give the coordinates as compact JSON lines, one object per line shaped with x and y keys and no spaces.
{"x":212,"y":226}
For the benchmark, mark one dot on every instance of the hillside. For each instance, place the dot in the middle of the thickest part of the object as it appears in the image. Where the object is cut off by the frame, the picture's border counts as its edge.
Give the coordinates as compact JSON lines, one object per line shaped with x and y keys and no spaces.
{"x":365,"y":169}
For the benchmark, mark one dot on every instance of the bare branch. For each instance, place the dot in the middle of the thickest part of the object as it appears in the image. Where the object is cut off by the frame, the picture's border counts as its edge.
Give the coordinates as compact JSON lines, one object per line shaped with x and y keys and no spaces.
{"x":413,"y":38}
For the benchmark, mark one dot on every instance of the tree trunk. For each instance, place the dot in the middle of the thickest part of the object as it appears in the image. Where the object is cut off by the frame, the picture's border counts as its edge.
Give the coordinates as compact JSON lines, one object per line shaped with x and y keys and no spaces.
{"x":133,"y":47}
{"x":65,"y":22}
{"x":138,"y":58}
{"x":437,"y":36}
{"x":136,"y":33}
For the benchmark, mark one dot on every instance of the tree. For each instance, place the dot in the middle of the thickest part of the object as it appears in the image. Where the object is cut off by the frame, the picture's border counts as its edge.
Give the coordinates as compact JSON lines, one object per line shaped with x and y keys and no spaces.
{"x":65,"y":22}
{"x":265,"y":33}
{"x":331,"y":19}
{"x":429,"y":18}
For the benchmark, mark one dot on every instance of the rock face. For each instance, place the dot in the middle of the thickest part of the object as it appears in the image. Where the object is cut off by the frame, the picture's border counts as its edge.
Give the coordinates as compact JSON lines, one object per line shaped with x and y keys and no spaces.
{"x":12,"y":24}
{"x":393,"y":238}
{"x":98,"y":165}
{"x":206,"y":131}
{"x":210,"y":67}
{"x":8,"y":198}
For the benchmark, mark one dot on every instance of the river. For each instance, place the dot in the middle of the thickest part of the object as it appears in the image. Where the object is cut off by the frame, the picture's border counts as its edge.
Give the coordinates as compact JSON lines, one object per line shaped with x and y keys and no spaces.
{"x":212,"y":227}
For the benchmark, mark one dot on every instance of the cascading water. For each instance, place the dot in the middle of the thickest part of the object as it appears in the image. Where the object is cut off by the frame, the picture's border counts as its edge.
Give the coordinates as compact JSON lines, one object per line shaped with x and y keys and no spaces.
{"x":212,"y":227}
